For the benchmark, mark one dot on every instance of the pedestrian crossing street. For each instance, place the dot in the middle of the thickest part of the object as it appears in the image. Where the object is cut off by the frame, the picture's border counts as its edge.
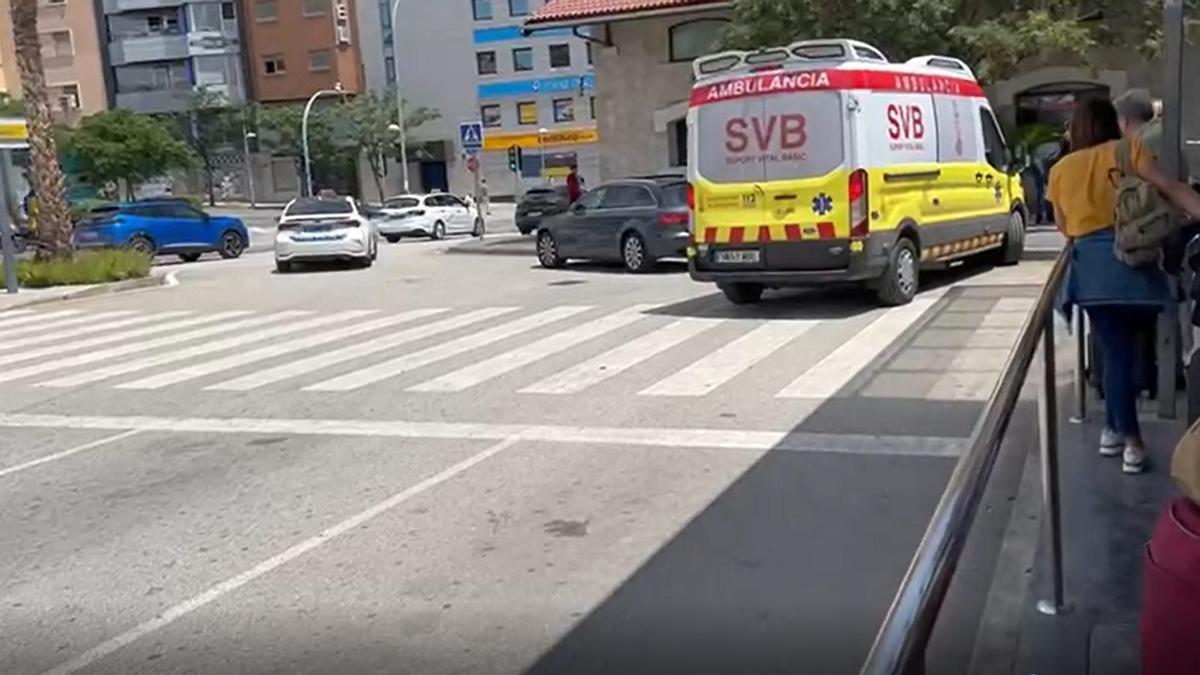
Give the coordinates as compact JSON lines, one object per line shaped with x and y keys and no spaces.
{"x":640,"y":350}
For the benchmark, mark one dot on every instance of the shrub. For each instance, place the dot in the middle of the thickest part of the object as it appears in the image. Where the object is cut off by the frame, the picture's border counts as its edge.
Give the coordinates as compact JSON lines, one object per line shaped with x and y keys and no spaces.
{"x":88,"y":267}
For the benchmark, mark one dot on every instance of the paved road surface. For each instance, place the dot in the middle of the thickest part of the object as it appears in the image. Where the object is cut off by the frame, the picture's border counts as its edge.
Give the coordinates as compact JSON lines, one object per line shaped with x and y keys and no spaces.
{"x":466,"y":464}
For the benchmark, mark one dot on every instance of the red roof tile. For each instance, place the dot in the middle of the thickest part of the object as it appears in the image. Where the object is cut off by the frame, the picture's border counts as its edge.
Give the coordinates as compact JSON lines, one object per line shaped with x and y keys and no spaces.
{"x":566,"y":10}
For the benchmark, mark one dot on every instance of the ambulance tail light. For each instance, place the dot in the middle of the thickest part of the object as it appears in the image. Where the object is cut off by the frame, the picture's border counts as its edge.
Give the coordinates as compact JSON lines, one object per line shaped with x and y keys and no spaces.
{"x":691,"y":196}
{"x":860,"y":224}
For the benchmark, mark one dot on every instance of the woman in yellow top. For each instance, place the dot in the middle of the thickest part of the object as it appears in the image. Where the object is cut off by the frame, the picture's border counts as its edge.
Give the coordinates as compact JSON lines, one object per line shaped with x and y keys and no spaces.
{"x":1120,"y":300}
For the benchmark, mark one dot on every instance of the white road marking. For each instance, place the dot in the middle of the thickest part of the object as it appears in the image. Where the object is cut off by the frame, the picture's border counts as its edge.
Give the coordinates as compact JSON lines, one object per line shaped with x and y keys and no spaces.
{"x":56,"y":326}
{"x":835,"y":371}
{"x":530,"y":352}
{"x":617,"y":361}
{"x":156,"y":360}
{"x":122,"y":337}
{"x":269,"y":565}
{"x":67,"y":453}
{"x":690,"y":437}
{"x":135,"y":347}
{"x":9,"y":345}
{"x":408,"y":362}
{"x":35,"y":317}
{"x":721,"y":366}
{"x":6,"y":314}
{"x":316,"y":362}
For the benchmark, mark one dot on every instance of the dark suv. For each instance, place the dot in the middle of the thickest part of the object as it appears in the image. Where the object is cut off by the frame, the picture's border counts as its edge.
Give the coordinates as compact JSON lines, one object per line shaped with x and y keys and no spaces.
{"x":539,"y":203}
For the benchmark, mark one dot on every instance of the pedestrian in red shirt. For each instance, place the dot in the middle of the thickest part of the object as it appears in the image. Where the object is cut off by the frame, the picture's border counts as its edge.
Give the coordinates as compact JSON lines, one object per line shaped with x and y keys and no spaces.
{"x":574,"y":184}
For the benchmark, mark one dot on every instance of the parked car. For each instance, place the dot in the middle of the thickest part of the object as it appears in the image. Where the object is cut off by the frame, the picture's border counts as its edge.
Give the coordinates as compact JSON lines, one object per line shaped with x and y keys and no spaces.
{"x":313,"y":229}
{"x":162,"y":227}
{"x":434,"y":216}
{"x":634,"y":221}
{"x":540,"y":203}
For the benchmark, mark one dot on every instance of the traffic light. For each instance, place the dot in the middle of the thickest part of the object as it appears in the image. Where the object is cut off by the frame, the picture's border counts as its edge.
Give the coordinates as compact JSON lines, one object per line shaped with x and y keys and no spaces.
{"x":514,"y":158}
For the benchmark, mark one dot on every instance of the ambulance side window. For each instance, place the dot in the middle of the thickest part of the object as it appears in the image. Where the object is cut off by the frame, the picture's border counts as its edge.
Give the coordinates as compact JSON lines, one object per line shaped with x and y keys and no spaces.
{"x":993,"y":143}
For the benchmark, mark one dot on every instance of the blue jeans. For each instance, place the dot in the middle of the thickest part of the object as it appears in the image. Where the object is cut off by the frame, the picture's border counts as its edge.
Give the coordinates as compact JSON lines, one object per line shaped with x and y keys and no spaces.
{"x":1117,"y":327}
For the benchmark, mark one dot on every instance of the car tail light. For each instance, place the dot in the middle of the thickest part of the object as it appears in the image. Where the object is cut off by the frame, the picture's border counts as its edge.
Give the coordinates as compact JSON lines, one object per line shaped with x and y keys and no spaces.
{"x":860,"y":225}
{"x":418,"y":212}
{"x":691,"y":196}
{"x":346,"y":223}
{"x":288,"y":226}
{"x":673,"y":218}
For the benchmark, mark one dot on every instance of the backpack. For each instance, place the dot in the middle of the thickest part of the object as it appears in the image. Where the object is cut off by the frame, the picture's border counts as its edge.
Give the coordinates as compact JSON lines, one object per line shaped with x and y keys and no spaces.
{"x":1141,"y":220}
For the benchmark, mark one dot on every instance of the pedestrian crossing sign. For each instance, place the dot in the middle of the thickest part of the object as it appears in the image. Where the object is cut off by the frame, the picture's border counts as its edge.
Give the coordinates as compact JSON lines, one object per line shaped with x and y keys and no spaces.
{"x":470,"y":134}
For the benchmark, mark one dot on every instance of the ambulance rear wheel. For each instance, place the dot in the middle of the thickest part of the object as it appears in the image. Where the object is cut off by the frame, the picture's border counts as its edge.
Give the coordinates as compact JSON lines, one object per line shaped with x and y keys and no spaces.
{"x":1014,"y":240}
{"x":743,"y":293}
{"x":899,"y":283}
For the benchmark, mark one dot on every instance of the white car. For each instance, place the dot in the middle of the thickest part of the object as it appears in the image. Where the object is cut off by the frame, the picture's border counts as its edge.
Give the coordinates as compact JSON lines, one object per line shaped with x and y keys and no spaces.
{"x":435,"y":216}
{"x":314,"y":229}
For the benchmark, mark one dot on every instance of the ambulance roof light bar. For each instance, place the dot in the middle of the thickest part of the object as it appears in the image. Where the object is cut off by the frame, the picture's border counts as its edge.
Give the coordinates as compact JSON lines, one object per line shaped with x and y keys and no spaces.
{"x":942,"y":62}
{"x":805,"y":51}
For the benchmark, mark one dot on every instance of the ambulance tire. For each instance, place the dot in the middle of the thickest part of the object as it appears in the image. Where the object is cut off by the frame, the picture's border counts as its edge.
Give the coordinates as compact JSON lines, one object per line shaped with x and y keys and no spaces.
{"x":899,"y":283}
{"x":1014,"y":240}
{"x":742,"y":293}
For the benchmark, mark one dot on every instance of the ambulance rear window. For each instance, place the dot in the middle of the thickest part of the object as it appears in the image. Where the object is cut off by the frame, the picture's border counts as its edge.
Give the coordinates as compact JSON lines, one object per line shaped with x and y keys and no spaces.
{"x":775,"y":137}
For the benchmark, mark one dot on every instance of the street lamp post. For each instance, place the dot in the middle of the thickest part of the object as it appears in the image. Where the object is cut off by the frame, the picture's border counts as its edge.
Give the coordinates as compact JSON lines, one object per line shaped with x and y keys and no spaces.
{"x":336,"y":91}
{"x":399,"y":98}
{"x":248,"y":136}
{"x":542,"y":150}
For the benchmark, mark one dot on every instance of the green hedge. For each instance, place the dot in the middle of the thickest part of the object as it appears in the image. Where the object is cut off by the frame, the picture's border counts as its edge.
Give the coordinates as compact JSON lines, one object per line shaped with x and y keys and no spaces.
{"x":88,"y":267}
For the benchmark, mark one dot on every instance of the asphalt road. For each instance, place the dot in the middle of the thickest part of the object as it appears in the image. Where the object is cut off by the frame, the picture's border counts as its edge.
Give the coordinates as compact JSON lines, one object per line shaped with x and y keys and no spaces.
{"x":467,"y":464}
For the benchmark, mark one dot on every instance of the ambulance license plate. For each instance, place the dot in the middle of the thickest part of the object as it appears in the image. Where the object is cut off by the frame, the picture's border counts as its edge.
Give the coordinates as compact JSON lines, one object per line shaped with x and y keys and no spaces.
{"x":737,"y":257}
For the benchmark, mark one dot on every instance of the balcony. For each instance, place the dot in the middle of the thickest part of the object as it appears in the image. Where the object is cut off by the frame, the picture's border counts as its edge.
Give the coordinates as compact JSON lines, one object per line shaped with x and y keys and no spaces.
{"x":118,"y":6}
{"x":155,"y":100}
{"x":123,"y":51}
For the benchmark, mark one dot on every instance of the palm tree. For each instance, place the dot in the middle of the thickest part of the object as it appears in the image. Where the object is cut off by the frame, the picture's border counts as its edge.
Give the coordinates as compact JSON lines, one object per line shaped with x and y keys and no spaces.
{"x":53,"y":220}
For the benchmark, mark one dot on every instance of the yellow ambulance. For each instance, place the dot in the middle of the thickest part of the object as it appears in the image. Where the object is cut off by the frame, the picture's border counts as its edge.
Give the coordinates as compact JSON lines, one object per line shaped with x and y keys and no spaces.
{"x":822,"y":162}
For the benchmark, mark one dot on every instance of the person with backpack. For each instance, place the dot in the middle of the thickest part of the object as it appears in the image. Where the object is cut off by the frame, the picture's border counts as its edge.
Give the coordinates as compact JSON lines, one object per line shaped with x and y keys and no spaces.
{"x":1111,"y":200}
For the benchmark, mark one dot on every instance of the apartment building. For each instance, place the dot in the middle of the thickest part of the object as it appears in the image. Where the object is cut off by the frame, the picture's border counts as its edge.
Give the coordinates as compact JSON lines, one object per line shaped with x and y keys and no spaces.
{"x":71,"y":57}
{"x":298,"y":47}
{"x":470,"y":60}
{"x":158,"y":52}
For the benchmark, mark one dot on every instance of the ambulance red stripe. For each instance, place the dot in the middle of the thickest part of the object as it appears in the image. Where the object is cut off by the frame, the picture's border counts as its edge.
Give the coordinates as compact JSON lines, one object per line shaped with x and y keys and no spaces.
{"x":764,"y":233}
{"x":736,"y":235}
{"x":793,"y":231}
{"x":826,"y":231}
{"x":779,"y":82}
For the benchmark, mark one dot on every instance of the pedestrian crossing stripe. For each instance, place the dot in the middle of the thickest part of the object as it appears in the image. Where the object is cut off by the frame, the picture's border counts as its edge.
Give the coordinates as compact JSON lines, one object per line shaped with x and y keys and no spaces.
{"x":555,"y":351}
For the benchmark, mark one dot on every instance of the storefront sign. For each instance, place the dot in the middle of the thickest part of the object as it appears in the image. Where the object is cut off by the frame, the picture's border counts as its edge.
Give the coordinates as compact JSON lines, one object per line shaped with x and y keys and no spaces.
{"x":550,"y":139}
{"x":14,"y":133}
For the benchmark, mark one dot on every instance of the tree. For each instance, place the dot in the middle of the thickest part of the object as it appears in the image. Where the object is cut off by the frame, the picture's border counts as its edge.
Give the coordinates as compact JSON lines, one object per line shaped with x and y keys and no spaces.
{"x":11,"y":107}
{"x":371,"y":119}
{"x":53,"y":219}
{"x":207,"y":124}
{"x":284,"y":123}
{"x":994,"y":37}
{"x":126,"y":148}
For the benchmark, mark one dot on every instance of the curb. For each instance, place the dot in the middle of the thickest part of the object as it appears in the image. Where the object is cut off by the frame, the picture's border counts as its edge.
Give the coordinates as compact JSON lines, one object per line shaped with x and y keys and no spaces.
{"x":152,"y":281}
{"x":498,"y":248}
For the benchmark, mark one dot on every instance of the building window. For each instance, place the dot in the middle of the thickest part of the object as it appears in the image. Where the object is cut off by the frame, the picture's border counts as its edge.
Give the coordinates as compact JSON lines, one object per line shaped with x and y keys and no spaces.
{"x":490,"y":114}
{"x":592,"y":106}
{"x":316,"y":7}
{"x":518,"y":7}
{"x":320,"y":60}
{"x":485,"y":63}
{"x":57,"y":44}
{"x":68,"y":97}
{"x":482,"y":9}
{"x":564,"y":110}
{"x":589,"y":52}
{"x":522,"y":58}
{"x":693,"y":39}
{"x":389,"y":68}
{"x":273,"y":64}
{"x":266,"y":10}
{"x":527,"y":112}
{"x":560,"y":56}
{"x":227,"y":11}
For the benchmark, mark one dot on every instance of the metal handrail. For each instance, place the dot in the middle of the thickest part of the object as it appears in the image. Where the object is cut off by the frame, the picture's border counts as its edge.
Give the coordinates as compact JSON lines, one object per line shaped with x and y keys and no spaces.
{"x":899,"y":647}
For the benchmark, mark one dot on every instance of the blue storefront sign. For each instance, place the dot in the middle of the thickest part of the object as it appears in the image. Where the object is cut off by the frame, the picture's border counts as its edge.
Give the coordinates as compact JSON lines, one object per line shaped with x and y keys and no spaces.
{"x":546,"y":85}
{"x":506,"y":33}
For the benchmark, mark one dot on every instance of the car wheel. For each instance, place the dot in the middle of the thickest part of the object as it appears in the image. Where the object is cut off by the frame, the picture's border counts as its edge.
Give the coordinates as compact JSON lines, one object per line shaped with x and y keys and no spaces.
{"x":742,"y":293}
{"x":284,"y":266}
{"x":439,"y":231}
{"x":1014,"y":239}
{"x":547,"y":251}
{"x":189,"y":257}
{"x":392,"y":238}
{"x":634,"y":254}
{"x":231,"y":245}
{"x":902,"y":277}
{"x":142,"y":244}
{"x":477,"y":231}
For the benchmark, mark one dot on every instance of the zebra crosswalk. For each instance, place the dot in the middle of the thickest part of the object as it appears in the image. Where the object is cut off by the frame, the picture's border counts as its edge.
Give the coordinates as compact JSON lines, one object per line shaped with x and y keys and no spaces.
{"x":631,"y":351}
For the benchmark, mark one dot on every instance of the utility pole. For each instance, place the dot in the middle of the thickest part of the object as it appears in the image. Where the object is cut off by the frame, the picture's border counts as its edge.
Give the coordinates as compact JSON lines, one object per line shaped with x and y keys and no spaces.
{"x":400,"y":98}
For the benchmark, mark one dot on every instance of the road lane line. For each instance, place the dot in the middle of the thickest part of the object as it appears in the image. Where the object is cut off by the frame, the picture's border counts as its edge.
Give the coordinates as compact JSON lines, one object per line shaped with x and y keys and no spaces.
{"x":80,"y":331}
{"x":618,"y":360}
{"x":67,"y":453}
{"x":838,"y":368}
{"x":57,"y":326}
{"x":316,"y":362}
{"x":690,"y":437}
{"x":407,"y":362}
{"x":273,"y":563}
{"x":135,"y":347}
{"x":122,"y":336}
{"x":721,"y":366}
{"x":528,"y":353}
{"x":35,"y":317}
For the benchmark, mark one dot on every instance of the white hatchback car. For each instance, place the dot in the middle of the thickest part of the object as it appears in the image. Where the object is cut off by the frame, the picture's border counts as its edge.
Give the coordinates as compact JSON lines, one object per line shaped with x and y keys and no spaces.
{"x":313,"y":229}
{"x":434,"y":215}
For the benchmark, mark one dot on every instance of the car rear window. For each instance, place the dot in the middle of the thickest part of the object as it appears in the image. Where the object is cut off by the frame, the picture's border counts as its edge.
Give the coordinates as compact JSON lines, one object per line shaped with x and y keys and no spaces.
{"x":674,"y":195}
{"x":771,"y":137}
{"x":402,"y":203}
{"x":319,"y":207}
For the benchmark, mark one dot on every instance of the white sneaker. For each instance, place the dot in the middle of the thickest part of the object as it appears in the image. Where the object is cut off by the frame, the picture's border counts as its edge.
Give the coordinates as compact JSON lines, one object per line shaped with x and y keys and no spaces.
{"x":1111,"y":443}
{"x":1133,"y":459}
